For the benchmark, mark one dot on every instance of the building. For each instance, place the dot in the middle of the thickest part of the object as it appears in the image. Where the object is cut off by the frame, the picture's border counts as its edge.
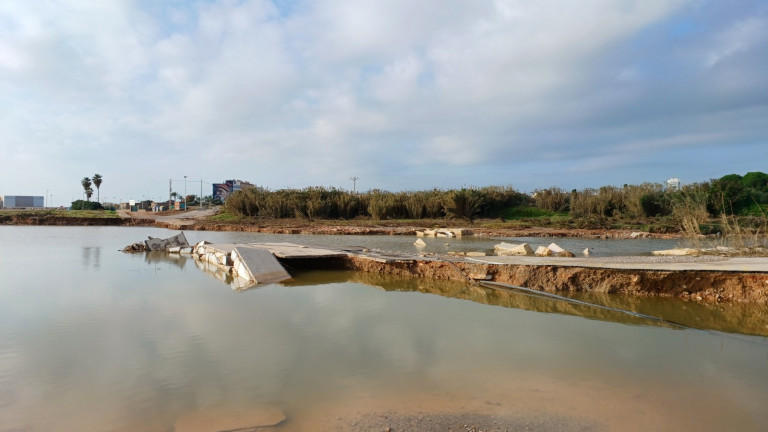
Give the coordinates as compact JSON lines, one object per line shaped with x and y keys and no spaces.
{"x":673,"y":184}
{"x":222,"y":191}
{"x":16,"y":201}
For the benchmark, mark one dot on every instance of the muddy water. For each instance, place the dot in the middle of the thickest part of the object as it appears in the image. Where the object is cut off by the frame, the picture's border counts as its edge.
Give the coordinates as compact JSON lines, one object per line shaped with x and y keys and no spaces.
{"x":93,"y":340}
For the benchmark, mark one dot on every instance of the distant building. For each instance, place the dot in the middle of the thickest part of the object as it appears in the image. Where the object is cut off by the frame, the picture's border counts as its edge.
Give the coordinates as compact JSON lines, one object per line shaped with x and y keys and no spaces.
{"x":11,"y":201}
{"x":673,"y":184}
{"x":222,"y":191}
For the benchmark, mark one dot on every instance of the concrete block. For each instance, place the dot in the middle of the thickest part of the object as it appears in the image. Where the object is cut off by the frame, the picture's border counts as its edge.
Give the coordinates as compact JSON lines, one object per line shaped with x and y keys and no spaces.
{"x":505,"y":249}
{"x":555,"y":248}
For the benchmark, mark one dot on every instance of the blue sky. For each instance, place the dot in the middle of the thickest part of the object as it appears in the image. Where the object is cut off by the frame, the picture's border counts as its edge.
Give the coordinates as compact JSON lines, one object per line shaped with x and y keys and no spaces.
{"x":404,"y":95}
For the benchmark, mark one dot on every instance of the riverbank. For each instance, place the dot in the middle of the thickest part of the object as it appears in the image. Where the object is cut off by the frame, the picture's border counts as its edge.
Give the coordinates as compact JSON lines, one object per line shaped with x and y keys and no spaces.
{"x":199,"y":220}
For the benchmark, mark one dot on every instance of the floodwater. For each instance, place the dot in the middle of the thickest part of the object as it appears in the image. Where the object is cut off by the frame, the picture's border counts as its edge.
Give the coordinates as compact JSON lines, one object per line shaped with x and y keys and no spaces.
{"x":92,"y":339}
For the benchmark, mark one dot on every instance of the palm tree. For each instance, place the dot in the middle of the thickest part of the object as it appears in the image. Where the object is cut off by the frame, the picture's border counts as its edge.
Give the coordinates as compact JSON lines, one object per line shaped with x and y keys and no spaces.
{"x":86,"y":182}
{"x":97,"y":183}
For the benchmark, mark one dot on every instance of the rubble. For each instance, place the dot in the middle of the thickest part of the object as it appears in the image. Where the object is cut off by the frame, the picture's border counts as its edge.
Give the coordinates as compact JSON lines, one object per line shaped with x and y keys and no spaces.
{"x":503,"y":249}
{"x":157,"y":244}
{"x":676,"y":252}
{"x":444,"y":232}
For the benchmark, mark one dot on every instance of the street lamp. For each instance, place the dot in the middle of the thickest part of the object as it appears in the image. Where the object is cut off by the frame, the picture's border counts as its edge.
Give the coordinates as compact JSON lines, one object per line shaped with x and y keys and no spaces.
{"x":185,"y":193}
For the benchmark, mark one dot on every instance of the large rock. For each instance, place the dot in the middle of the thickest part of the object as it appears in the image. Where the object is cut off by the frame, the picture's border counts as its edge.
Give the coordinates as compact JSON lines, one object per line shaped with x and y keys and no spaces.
{"x":543,"y":251}
{"x":555,"y":248}
{"x":560,"y":252}
{"x":460,"y":232}
{"x":676,"y":252}
{"x":506,"y":249}
{"x":419,"y":243}
{"x":439,"y":232}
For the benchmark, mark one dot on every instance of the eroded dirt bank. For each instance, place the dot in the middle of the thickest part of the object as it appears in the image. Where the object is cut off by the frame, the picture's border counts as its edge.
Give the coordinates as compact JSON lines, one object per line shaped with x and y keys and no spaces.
{"x":709,"y":286}
{"x":191,"y":222}
{"x":53,"y":220}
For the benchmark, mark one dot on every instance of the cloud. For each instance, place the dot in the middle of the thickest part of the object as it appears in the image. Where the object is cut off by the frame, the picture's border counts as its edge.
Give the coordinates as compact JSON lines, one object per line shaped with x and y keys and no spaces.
{"x":307,"y":93}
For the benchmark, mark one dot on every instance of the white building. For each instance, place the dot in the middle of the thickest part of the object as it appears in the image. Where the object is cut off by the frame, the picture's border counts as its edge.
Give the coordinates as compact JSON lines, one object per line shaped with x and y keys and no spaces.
{"x":673,"y":184}
{"x":11,"y":201}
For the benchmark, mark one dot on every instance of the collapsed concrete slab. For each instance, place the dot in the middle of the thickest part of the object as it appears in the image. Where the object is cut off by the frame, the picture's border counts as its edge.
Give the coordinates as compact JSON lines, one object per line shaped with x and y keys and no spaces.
{"x":257,"y":265}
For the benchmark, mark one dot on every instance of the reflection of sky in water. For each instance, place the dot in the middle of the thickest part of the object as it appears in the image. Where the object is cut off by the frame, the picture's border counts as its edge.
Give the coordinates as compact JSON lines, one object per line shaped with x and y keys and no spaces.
{"x":95,"y":339}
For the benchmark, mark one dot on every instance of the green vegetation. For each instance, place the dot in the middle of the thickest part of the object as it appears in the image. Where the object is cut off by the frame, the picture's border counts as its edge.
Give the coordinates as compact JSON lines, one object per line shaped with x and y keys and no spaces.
{"x":86,"y":205}
{"x":528,"y":212}
{"x":696,"y":209}
{"x":330,"y":203}
{"x":86,"y":183}
{"x":97,"y":182}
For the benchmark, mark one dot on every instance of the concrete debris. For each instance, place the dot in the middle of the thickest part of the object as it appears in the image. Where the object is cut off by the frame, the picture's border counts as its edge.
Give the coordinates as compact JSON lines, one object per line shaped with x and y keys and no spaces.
{"x":676,"y":252}
{"x":506,"y":249}
{"x":555,"y":248}
{"x":136,"y":247}
{"x":467,"y":254}
{"x":587,"y":252}
{"x":156,"y":244}
{"x":543,"y":251}
{"x":444,"y":232}
{"x":257,"y":265}
{"x":419,"y":243}
{"x":638,"y":234}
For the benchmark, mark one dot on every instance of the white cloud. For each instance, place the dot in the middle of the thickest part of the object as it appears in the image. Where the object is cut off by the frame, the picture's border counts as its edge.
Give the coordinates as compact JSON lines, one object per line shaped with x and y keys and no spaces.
{"x":332,"y":86}
{"x":740,"y":37}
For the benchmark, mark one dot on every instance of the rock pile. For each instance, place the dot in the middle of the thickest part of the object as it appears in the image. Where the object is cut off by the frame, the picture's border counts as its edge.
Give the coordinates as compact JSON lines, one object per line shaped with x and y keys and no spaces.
{"x":523,"y":249}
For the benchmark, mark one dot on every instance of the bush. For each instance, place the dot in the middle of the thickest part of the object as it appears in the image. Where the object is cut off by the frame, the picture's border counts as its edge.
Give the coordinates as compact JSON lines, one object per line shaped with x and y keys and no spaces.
{"x":86,"y":205}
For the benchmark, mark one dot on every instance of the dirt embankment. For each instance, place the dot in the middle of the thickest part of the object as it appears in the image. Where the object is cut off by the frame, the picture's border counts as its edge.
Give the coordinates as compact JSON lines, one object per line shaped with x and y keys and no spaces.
{"x":197,"y":221}
{"x":71,"y":221}
{"x":708,"y":286}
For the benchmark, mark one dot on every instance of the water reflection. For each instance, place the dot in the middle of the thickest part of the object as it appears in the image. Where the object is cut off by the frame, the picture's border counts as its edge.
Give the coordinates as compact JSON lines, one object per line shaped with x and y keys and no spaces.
{"x":158,"y":257}
{"x":91,"y":256}
{"x":725,"y":317}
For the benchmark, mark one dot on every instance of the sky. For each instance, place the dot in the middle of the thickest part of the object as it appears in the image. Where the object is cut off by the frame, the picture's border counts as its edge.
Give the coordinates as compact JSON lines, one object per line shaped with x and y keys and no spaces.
{"x":401,"y":94}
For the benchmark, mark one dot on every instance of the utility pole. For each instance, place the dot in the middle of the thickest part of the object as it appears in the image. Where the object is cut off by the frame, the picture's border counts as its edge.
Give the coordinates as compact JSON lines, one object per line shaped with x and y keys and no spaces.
{"x":185,"y":193}
{"x":354,"y":183}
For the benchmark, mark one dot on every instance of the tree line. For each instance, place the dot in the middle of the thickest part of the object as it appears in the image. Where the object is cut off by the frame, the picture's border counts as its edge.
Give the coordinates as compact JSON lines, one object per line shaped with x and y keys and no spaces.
{"x":732,"y":194}
{"x":333,"y":203}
